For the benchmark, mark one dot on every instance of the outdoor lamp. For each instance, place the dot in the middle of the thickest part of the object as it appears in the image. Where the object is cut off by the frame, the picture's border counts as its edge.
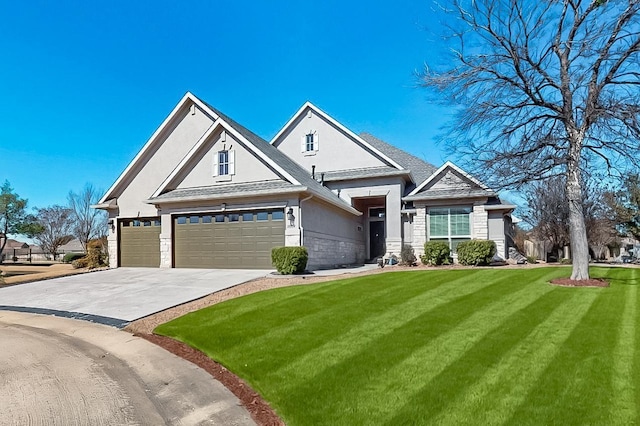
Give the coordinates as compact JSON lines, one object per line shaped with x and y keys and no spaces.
{"x":291,"y":217}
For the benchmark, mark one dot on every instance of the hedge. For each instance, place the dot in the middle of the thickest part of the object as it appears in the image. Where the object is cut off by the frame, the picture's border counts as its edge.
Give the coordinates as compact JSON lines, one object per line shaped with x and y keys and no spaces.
{"x":476,"y":252}
{"x":436,"y":253}
{"x":289,"y":260}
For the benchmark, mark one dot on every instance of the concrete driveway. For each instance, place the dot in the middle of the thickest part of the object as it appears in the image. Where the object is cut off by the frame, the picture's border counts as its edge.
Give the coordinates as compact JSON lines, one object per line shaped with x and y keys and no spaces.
{"x":118,"y":296}
{"x":65,"y":372}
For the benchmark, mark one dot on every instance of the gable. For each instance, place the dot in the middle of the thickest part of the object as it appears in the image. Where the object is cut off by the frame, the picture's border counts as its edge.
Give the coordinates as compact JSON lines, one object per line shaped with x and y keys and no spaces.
{"x":449,"y":182}
{"x":450,"y":179}
{"x":199,"y":170}
{"x":336,"y":149}
{"x":158,"y":158}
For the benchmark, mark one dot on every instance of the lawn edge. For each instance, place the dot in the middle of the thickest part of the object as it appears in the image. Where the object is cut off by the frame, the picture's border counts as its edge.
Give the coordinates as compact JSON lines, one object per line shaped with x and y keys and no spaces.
{"x":259,"y":409}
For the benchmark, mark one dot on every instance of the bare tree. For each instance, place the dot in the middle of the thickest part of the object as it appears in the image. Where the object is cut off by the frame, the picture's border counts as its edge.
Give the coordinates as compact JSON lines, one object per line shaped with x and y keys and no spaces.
{"x":545,"y":88}
{"x":547,"y":212}
{"x":88,"y":223}
{"x":56,"y":226}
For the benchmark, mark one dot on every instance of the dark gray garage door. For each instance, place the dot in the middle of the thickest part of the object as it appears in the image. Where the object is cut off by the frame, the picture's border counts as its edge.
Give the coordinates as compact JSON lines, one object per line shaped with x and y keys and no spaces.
{"x":227,"y":240}
{"x":140,"y":242}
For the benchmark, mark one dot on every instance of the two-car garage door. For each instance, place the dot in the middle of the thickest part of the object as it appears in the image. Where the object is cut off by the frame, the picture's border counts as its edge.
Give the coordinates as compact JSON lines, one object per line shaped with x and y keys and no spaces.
{"x":227,"y":240}
{"x":210,"y":240}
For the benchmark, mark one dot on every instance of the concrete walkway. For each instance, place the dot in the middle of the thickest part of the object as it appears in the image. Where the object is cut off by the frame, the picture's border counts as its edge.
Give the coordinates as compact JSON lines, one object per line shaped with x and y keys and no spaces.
{"x":118,"y":296}
{"x":61,"y":371}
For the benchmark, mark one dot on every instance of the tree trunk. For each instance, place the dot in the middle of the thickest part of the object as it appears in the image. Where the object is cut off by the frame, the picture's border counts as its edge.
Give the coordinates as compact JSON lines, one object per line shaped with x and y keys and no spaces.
{"x":577,"y":228}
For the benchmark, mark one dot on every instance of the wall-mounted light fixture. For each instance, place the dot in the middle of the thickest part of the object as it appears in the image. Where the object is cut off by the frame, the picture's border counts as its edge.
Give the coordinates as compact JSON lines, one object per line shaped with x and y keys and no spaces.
{"x":291,"y":217}
{"x":112,"y":225}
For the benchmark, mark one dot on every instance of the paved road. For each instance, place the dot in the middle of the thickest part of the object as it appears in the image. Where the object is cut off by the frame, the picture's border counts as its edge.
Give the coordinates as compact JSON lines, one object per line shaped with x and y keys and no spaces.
{"x":123,"y":294}
{"x":58,"y":371}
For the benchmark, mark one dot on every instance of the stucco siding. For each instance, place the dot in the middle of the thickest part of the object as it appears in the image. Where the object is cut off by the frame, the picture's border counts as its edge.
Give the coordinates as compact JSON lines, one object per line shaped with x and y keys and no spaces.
{"x":337,"y":150}
{"x":247,"y":167}
{"x":177,"y":141}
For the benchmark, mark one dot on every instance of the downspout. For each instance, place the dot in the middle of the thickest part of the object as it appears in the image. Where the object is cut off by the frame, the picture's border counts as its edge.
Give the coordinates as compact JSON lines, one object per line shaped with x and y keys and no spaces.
{"x":300,"y":219}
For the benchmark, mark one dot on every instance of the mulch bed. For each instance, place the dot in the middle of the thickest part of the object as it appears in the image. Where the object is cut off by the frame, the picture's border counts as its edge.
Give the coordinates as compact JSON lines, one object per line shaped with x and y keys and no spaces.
{"x":592,"y":282}
{"x":260,"y":411}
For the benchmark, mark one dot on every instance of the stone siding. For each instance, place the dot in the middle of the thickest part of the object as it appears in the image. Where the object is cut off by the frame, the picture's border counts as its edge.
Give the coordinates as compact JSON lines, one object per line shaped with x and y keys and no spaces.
{"x":165,"y":251}
{"x":327,"y":252}
{"x":112,"y":244}
{"x":480,"y":223}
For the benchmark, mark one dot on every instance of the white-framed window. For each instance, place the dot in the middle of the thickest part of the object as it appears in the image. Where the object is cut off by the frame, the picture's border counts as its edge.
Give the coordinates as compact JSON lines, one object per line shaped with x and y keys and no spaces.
{"x":451,"y":225}
{"x":309,"y":144}
{"x":224,"y":163}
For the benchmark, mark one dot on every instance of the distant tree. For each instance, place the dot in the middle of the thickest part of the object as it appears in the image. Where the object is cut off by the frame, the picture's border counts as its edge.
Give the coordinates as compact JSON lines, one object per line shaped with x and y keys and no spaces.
{"x":544,"y":88}
{"x":53,"y":228}
{"x":626,"y":205}
{"x":88,"y":223}
{"x":13,"y":214}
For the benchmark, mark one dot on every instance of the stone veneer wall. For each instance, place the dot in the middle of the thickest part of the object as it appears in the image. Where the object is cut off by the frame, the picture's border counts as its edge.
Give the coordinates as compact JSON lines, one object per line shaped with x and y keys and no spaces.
{"x":419,"y":231}
{"x":165,"y":251}
{"x":480,"y":223}
{"x":326,"y":251}
{"x":112,"y":244}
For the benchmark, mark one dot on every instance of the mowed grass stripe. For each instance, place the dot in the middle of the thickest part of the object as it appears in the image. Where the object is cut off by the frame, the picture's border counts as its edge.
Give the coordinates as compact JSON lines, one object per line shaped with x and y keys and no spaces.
{"x":478,"y":356}
{"x":576,"y":387}
{"x":283,"y":307}
{"x":383,"y":373}
{"x":625,"y":390}
{"x":497,"y":394}
{"x":371,"y":328}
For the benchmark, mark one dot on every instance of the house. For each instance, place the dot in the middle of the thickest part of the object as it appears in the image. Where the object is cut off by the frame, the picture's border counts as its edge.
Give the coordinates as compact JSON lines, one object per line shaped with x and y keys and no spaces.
{"x":12,"y":248}
{"x":204,"y":191}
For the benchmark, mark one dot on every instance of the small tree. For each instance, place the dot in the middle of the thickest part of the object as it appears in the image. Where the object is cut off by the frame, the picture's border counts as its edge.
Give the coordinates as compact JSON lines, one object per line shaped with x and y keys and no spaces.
{"x":12,"y":214}
{"x":626,"y":205}
{"x":55,"y":228}
{"x":88,"y":223}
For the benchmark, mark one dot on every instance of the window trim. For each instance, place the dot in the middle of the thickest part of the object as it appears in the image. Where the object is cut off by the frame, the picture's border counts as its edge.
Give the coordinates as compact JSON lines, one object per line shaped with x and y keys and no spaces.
{"x":449,"y":237}
{"x":314,"y":144}
{"x":229,"y":163}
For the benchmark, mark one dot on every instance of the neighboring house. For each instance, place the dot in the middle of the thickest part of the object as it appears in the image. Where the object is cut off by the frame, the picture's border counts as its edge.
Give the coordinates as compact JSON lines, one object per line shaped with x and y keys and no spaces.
{"x":73,"y":246}
{"x":205,"y":191}
{"x":12,"y":248}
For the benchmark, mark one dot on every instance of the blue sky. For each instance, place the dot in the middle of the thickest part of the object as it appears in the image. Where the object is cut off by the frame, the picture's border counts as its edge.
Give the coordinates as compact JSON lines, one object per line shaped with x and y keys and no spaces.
{"x":84,"y":84}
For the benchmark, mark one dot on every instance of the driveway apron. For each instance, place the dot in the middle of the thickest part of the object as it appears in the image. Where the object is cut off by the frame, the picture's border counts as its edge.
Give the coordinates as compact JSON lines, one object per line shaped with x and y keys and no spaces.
{"x":118,"y":296}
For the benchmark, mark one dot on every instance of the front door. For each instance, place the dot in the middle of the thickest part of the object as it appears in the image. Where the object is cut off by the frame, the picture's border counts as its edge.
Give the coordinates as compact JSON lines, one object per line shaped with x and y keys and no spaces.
{"x":376,"y":239}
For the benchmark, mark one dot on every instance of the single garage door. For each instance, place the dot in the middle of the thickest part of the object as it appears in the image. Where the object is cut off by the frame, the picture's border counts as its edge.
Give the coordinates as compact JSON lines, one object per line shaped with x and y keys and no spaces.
{"x":140,"y":242}
{"x":227,"y":240}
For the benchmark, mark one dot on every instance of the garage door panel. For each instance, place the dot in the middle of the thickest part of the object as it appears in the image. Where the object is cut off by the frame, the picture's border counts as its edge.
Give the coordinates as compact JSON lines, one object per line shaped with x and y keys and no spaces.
{"x":139,"y":242}
{"x":232,"y":243}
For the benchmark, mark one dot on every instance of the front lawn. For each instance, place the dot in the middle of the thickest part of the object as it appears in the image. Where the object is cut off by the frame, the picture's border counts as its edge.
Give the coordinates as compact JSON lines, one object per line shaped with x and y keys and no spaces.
{"x":477,"y":346}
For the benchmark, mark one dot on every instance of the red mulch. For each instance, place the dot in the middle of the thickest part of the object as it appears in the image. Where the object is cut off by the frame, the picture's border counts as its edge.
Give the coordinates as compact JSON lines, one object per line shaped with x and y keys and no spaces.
{"x":592,"y":282}
{"x":260,"y":411}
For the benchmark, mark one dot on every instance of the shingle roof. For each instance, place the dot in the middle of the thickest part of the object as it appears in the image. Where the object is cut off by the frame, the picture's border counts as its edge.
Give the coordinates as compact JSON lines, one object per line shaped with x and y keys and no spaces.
{"x":229,"y":190}
{"x":296,"y":171}
{"x":449,"y":193}
{"x":420,"y":169}
{"x":363,"y":173}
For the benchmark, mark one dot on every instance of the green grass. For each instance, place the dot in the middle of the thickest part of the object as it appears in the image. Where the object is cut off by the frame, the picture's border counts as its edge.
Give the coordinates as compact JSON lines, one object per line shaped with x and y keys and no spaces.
{"x":451,"y":347}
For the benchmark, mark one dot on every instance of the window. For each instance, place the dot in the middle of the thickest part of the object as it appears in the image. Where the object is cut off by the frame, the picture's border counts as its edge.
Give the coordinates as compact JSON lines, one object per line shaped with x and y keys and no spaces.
{"x":309,"y":143}
{"x":224,"y":163}
{"x":247,"y":217}
{"x":206,"y":219}
{"x":234,"y":217}
{"x":277,"y":215}
{"x":451,"y":225}
{"x":262,"y":216}
{"x":219,"y":218}
{"x":182,"y":220}
{"x":194,"y":219}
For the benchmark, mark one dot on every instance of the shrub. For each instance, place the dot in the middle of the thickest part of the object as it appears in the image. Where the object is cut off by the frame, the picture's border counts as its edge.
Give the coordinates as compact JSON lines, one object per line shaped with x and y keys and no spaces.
{"x":70,"y":257}
{"x":289,"y":260}
{"x":566,"y":261}
{"x":407,"y":256}
{"x":476,"y":252}
{"x":80,"y":263}
{"x":95,"y":258}
{"x":532,"y":260}
{"x":436,"y":253}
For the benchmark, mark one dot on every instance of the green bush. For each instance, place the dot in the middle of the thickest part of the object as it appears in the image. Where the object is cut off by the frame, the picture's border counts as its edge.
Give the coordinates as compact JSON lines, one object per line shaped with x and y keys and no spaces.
{"x":70,"y":257}
{"x":407,"y":256}
{"x":436,"y":253}
{"x":289,"y":260}
{"x":476,"y":252}
{"x":532,"y":260}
